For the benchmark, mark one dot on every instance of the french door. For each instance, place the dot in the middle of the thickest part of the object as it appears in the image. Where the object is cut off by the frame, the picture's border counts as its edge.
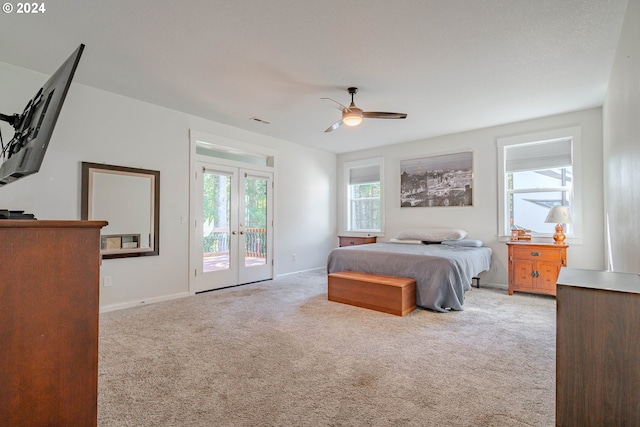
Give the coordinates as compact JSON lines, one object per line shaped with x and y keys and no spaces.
{"x":232,"y":241}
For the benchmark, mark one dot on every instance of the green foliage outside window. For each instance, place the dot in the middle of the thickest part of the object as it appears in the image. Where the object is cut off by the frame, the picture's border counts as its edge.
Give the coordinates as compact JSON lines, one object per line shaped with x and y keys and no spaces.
{"x":216,"y":209}
{"x":365,"y":207}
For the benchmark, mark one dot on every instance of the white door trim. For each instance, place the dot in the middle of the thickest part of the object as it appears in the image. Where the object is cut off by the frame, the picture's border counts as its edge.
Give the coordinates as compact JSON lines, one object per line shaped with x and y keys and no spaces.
{"x":228,"y":145}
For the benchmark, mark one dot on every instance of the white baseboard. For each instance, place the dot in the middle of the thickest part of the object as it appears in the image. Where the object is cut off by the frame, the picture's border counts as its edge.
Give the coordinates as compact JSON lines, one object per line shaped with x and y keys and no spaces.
{"x":138,"y":303}
{"x":302,"y":271}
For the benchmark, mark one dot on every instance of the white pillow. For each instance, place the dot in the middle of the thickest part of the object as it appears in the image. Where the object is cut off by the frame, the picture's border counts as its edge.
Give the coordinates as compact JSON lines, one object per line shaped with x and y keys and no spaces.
{"x":463,"y":242}
{"x":406,"y":241}
{"x":432,"y":234}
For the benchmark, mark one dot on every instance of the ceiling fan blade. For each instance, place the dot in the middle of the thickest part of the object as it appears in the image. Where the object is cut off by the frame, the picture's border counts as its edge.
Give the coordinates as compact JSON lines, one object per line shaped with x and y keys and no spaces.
{"x":380,"y":115}
{"x":335,"y":126}
{"x":339,"y":106}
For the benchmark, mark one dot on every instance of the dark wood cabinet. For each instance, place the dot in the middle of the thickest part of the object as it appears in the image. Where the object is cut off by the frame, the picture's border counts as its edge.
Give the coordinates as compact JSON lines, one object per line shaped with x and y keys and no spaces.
{"x":354,"y":241}
{"x":534,"y":267}
{"x":597,"y":349}
{"x":49,"y":304}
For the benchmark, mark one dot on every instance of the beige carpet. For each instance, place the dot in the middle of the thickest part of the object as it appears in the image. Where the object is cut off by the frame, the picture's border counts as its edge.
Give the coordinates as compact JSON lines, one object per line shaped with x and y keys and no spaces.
{"x":277,"y":353}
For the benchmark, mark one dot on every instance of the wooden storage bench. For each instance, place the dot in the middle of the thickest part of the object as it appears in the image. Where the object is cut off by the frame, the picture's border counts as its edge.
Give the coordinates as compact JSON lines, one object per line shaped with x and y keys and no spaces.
{"x":394,"y":295}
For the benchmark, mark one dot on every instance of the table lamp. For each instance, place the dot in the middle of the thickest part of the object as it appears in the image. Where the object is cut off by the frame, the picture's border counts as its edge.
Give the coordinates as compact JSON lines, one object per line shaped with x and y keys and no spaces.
{"x":559,"y":215}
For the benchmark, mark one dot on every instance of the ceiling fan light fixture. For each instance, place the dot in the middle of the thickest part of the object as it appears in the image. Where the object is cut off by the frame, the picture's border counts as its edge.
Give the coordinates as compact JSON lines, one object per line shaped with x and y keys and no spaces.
{"x":352,"y":117}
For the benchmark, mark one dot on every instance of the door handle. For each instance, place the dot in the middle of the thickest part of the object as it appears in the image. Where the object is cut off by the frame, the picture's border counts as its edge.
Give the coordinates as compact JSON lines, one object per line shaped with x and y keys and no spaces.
{"x":242,"y":232}
{"x":234,"y":232}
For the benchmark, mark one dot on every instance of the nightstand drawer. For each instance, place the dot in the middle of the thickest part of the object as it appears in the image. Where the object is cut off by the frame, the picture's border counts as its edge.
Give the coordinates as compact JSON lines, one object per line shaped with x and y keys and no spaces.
{"x":541,"y":254}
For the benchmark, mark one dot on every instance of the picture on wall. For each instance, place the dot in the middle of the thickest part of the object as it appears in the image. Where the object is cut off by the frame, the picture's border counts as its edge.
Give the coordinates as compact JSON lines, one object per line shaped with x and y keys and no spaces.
{"x":445,"y":180}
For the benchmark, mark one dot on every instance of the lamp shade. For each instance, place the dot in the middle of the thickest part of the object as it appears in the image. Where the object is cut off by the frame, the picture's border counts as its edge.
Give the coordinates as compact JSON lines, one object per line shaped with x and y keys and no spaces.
{"x":559,"y":215}
{"x":352,"y":117}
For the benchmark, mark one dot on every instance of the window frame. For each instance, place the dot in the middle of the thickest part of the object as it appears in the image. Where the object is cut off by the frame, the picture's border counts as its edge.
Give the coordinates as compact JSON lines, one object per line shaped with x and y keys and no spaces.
{"x":575,"y":134}
{"x":347,"y":166}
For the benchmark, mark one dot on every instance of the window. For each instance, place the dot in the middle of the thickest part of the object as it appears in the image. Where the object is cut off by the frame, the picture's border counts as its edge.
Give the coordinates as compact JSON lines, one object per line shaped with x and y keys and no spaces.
{"x":364,"y":195}
{"x":537,"y":172}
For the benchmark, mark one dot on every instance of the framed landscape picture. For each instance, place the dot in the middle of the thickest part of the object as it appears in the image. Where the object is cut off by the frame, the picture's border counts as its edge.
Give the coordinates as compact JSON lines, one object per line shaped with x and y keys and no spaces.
{"x":444,"y":180}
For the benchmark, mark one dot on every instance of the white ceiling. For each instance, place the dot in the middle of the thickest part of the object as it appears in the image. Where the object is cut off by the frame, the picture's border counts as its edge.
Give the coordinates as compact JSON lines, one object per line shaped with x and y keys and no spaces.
{"x":451,"y":65}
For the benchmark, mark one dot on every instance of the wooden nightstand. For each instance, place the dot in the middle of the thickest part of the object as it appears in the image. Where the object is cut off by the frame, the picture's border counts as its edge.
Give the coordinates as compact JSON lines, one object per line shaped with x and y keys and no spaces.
{"x":534,"y":267}
{"x":354,"y":241}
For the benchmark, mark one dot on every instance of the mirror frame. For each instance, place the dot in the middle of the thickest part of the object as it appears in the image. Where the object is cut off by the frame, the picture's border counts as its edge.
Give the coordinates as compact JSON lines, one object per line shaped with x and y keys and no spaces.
{"x":87,"y":169}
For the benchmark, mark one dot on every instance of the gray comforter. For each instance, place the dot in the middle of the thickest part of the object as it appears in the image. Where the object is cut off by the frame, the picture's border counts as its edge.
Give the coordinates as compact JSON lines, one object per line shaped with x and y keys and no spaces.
{"x":442,"y":273}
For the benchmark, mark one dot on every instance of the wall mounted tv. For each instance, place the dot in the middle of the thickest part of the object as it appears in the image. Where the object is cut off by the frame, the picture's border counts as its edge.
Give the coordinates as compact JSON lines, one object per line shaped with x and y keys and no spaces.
{"x":33,"y":128}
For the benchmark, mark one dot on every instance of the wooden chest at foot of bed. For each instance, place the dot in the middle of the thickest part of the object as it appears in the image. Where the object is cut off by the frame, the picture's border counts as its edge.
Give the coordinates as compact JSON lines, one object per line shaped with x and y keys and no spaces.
{"x":394,"y":295}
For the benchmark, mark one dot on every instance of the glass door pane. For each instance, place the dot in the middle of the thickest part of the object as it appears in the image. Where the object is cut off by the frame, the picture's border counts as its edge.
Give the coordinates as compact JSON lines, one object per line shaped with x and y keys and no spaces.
{"x":255,"y":213}
{"x":216,"y":221}
{"x":255,"y":221}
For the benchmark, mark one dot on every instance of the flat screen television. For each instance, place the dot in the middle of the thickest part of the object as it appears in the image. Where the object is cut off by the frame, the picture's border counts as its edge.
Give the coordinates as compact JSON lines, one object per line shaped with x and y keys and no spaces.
{"x":33,"y":128}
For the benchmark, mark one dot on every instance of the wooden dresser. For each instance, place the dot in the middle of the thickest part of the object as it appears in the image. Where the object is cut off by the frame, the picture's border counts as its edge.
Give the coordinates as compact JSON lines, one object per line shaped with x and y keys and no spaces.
{"x":354,"y":241}
{"x":534,"y":267}
{"x":49,"y":304}
{"x":597,"y":349}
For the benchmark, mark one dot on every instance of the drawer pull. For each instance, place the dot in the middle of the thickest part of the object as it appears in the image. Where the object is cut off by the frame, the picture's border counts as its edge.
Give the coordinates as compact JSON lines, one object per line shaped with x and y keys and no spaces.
{"x":535,"y":253}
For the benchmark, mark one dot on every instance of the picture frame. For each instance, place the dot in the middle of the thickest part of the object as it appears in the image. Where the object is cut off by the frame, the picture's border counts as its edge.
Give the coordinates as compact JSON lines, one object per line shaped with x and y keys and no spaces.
{"x":437,"y":181}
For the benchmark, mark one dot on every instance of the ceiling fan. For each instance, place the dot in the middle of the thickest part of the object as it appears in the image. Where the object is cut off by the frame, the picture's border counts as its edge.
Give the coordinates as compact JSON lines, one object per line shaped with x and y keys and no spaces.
{"x":352,"y":115}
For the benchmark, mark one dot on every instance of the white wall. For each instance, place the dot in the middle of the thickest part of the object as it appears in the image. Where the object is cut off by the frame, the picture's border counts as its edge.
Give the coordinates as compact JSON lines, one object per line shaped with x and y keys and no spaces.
{"x":101,"y":127}
{"x":621,"y":122}
{"x":481,"y":220}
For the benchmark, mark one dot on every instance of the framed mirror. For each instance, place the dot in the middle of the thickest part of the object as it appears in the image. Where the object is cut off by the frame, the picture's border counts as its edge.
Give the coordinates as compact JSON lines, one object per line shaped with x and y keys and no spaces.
{"x":129,"y":199}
